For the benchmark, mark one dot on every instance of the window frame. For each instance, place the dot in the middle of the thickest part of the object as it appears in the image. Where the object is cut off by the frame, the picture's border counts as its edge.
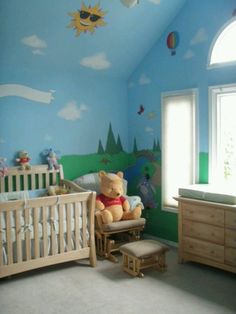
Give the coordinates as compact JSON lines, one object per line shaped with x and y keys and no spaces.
{"x":195,"y":171}
{"x":213,"y":92}
{"x":221,"y":64}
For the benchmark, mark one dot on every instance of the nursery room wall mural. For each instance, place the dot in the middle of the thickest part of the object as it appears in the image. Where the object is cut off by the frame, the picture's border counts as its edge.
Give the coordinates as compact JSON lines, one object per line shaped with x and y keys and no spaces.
{"x":167,"y":72}
{"x":64,"y":72}
{"x":94,"y":95}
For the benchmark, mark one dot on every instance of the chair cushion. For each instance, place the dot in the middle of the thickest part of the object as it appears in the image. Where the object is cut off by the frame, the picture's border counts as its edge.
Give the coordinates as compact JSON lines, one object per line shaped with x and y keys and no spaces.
{"x":91,"y":181}
{"x":124,"y":224}
{"x":144,"y":248}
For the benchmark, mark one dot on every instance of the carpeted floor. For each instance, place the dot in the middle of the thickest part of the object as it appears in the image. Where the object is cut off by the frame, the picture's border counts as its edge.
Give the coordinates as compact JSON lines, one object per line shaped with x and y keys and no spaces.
{"x":77,"y":288}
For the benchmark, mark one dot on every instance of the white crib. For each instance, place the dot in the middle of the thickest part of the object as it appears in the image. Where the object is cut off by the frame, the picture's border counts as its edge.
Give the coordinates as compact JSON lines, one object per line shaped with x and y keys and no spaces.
{"x":43,"y":230}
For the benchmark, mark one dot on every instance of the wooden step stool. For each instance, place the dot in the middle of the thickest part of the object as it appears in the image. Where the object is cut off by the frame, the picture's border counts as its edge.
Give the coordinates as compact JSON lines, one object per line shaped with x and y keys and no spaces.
{"x":143,"y":254}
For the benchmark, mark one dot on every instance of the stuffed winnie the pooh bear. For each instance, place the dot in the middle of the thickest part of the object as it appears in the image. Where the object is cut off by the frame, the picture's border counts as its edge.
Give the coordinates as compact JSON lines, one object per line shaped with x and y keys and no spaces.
{"x":111,"y":203}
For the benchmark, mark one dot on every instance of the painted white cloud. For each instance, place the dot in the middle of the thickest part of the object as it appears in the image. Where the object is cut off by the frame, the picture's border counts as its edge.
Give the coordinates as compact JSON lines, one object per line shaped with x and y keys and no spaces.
{"x":71,"y":111}
{"x":149,"y":130}
{"x":98,"y":61}
{"x":144,"y":80}
{"x":199,"y":37}
{"x":155,"y":1}
{"x":34,"y":41}
{"x":38,"y":52}
{"x":48,"y":138}
{"x":189,"y":54}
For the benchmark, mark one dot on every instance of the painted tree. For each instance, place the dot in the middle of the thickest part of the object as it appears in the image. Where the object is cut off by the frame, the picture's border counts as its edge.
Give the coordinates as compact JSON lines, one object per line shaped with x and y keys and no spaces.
{"x":135,"y":149}
{"x":158,"y":146}
{"x":154,"y":148}
{"x":119,"y":145}
{"x":100,"y":148}
{"x":111,"y":147}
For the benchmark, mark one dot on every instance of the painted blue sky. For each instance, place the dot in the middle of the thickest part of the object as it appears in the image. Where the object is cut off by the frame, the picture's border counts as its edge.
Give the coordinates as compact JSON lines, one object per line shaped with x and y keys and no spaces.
{"x":38,"y":31}
{"x":62,"y":91}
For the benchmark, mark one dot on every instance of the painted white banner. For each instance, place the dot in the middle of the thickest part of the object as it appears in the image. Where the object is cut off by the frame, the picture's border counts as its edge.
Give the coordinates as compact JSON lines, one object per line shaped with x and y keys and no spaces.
{"x":26,"y":92}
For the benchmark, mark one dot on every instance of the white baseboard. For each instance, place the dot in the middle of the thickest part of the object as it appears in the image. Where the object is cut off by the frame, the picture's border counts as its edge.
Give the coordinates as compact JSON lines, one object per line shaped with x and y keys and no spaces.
{"x":170,"y":243}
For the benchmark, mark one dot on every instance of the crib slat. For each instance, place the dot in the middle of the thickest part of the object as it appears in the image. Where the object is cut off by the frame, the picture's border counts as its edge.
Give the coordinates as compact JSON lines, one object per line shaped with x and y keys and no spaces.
{"x":9,"y":239}
{"x":84,"y":223}
{"x":2,"y":184}
{"x":36,"y":233}
{"x":68,"y":226}
{"x":40,"y":180}
{"x":47,"y":179}
{"x":61,"y":231}
{"x":53,"y":231}
{"x":18,"y":237}
{"x":27,"y":235}
{"x":25,"y":182}
{"x":77,"y":243}
{"x":10,"y":187}
{"x":33,"y":182}
{"x":18,"y":187}
{"x":54,"y":178}
{"x":1,"y":246}
{"x":45,"y":243}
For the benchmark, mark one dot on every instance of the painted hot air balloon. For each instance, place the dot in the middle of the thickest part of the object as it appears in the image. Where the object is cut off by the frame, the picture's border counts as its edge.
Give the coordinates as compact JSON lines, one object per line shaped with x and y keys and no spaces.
{"x":172,"y":42}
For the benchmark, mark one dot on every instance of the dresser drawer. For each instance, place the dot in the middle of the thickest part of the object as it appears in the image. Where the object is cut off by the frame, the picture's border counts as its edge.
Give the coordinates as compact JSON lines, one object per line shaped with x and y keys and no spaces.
{"x":203,"y":231}
{"x":230,"y":238}
{"x":230,"y":256}
{"x":211,"y":215}
{"x":204,"y":249}
{"x":230,"y":219}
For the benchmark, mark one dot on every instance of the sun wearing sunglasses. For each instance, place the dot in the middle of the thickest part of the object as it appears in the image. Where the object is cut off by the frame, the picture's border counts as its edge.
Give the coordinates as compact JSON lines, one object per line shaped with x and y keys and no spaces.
{"x":92,"y":17}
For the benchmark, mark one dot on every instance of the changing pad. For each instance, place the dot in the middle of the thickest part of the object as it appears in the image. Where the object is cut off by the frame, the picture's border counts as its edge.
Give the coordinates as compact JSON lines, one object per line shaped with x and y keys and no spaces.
{"x":210,"y":192}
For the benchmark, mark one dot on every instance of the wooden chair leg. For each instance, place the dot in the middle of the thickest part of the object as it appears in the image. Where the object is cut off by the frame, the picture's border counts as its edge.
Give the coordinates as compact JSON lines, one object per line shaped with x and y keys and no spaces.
{"x":109,"y":255}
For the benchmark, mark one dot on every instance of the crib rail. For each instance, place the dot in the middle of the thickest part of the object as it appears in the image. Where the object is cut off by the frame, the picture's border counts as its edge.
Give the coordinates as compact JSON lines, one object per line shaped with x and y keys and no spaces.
{"x":37,"y":177}
{"x":45,"y":231}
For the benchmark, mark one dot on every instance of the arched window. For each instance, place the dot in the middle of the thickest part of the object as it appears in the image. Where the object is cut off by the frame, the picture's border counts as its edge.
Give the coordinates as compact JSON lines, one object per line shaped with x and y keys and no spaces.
{"x":223,"y":51}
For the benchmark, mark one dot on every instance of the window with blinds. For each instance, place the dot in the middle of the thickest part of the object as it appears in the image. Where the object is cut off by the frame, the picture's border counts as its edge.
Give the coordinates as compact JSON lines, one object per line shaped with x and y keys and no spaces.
{"x":178,"y":144}
{"x":222,"y":112}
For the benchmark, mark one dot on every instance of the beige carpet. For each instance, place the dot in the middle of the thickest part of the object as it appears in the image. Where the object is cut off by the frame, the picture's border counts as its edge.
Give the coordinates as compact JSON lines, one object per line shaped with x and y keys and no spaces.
{"x":76,"y":288}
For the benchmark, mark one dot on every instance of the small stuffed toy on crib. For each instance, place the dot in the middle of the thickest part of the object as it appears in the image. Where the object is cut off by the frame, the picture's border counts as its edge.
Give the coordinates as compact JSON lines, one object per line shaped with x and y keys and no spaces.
{"x":52,"y":158}
{"x":57,"y":190}
{"x":3,"y":167}
{"x":23,"y":160}
{"x":111,"y":203}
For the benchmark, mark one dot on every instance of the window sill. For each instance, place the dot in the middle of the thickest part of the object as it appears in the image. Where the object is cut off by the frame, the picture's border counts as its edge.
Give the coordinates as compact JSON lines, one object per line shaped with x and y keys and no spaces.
{"x":174,"y":210}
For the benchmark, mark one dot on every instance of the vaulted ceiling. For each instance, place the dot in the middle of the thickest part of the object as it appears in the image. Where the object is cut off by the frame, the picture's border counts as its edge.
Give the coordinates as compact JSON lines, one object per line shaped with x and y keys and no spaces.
{"x":48,"y":33}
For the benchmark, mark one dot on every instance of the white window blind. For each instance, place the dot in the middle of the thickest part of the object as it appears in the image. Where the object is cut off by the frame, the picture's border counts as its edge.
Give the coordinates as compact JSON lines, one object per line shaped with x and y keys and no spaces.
{"x":178,"y":145}
{"x":223,"y":134}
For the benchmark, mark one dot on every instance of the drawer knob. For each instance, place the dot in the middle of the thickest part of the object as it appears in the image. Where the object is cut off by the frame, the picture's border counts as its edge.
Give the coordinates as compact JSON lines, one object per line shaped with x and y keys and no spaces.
{"x":212,"y":252}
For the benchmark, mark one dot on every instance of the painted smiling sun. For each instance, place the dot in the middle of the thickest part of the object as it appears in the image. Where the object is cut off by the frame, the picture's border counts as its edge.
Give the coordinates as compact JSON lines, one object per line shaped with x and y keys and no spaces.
{"x":87,"y":19}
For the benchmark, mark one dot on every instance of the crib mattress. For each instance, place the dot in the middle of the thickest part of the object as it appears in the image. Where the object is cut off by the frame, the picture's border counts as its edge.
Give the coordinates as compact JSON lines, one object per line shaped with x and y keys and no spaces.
{"x":210,"y":192}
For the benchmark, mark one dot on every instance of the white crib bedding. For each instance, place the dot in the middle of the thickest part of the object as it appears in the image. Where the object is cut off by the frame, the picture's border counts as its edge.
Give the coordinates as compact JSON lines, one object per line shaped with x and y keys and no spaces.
{"x":209,"y":192}
{"x":25,"y":196}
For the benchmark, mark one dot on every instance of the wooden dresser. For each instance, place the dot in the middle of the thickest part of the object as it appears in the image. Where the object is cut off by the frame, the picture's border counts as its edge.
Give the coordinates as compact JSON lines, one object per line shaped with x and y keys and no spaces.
{"x":207,"y":233}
